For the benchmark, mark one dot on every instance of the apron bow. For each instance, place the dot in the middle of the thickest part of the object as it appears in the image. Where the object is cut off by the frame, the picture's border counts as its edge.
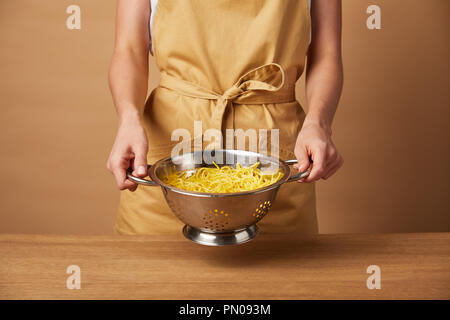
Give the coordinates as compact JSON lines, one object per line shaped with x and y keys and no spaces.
{"x":255,"y":87}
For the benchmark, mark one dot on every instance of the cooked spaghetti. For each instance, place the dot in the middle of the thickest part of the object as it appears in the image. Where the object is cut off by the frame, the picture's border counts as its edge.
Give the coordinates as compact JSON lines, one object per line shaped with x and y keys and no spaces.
{"x":224,"y":179}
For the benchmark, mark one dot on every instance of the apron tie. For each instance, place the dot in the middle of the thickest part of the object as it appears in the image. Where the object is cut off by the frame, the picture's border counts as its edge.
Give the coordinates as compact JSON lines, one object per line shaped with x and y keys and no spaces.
{"x":262,"y":85}
{"x":222,"y":103}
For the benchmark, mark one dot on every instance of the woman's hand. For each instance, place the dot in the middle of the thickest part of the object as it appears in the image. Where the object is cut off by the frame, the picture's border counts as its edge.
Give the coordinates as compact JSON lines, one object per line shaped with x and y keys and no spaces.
{"x":314,"y":148}
{"x":129,"y":151}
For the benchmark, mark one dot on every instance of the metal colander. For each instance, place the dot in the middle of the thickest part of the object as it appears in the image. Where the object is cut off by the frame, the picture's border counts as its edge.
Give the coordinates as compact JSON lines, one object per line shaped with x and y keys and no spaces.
{"x":219,"y":218}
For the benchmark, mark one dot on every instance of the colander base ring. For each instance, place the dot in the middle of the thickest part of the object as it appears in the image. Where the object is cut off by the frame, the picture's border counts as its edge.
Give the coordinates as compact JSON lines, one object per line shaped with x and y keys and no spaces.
{"x":220,"y":239}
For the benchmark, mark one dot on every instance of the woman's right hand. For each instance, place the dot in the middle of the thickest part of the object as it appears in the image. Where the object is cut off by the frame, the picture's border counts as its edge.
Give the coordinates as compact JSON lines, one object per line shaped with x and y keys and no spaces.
{"x":129,"y":151}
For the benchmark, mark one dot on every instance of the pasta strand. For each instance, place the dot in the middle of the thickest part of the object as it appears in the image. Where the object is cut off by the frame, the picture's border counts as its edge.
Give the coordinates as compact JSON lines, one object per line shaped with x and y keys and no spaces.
{"x":224,"y":179}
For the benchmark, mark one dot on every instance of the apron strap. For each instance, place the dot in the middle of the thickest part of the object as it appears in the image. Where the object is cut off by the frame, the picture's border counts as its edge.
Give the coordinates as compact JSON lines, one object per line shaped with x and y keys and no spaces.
{"x":262,"y":85}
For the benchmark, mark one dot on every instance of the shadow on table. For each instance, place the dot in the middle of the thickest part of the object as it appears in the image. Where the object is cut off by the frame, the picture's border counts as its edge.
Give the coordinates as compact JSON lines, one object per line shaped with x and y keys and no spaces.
{"x":278,"y":248}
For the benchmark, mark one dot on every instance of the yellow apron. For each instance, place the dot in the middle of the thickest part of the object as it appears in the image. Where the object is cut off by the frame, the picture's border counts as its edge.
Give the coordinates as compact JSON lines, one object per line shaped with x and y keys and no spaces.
{"x":230,"y":64}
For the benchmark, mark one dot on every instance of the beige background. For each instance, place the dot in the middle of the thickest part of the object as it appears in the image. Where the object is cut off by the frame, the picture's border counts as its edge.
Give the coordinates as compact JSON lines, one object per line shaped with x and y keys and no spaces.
{"x":57,"y":121}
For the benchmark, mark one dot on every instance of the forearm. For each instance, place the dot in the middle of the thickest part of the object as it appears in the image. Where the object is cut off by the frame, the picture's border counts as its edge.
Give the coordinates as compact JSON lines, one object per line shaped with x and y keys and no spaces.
{"x":128,"y":81}
{"x":324,"y":80}
{"x":314,"y":148}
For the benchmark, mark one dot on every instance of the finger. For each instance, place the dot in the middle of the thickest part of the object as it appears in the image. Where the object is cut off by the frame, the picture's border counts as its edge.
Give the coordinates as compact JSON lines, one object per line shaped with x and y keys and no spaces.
{"x":304,"y":179}
{"x":126,"y":184}
{"x":332,"y":160}
{"x":318,"y":166}
{"x":119,"y":172}
{"x":303,"y":162}
{"x":122,"y":182}
{"x":133,"y":189}
{"x":332,"y":156}
{"x":140,"y":162}
{"x":332,"y":170}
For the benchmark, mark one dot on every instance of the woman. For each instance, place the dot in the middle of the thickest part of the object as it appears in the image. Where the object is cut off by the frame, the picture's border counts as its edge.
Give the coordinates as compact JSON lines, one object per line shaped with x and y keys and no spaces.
{"x":207,"y":46}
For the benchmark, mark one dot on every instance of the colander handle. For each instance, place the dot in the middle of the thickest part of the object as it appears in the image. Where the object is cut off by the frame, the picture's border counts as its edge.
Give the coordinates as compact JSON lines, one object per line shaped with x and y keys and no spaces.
{"x":140,"y":180}
{"x":297,"y":176}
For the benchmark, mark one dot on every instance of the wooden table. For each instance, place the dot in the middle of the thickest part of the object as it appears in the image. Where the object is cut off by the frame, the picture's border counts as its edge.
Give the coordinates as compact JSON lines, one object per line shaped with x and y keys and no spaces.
{"x":413,"y":266}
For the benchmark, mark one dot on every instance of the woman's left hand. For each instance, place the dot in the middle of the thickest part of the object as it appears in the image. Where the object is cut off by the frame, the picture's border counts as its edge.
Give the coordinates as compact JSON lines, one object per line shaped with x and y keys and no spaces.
{"x":314,"y":148}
